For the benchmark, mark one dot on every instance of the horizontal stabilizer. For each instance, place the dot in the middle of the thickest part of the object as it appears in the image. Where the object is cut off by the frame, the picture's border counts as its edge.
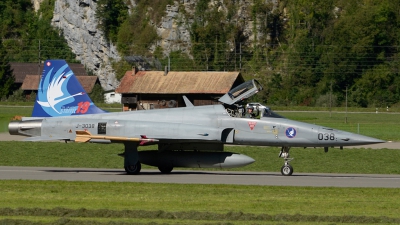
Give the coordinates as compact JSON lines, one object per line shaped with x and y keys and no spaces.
{"x":86,"y":136}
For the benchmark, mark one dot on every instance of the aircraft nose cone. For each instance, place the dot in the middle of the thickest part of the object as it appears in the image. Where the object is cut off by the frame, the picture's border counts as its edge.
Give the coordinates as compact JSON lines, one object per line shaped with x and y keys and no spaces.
{"x":357,"y":139}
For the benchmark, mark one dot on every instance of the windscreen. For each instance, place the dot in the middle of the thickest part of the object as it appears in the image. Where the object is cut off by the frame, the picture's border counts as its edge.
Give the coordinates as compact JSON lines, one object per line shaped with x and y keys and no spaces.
{"x":267,"y":112}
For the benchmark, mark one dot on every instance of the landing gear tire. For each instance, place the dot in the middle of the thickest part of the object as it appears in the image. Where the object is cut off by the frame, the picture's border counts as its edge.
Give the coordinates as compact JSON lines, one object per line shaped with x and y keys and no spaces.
{"x":133,"y":169}
{"x":165,"y":169}
{"x":287,"y":170}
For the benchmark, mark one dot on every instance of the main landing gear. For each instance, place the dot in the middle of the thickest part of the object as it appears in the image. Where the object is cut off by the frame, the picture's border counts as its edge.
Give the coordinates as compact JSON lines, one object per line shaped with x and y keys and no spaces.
{"x":133,"y":169}
{"x":286,"y":169}
{"x":131,"y":158}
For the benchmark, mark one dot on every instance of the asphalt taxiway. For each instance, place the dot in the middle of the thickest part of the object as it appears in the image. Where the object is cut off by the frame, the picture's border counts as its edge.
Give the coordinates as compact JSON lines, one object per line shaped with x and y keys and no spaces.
{"x":201,"y":177}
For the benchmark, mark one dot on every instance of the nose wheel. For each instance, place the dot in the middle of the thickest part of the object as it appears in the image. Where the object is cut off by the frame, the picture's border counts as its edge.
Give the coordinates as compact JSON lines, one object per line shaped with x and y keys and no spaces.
{"x":286,"y":169}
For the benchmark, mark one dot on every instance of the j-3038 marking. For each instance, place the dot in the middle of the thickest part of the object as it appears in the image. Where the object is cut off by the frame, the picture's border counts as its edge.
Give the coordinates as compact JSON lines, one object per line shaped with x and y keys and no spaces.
{"x":85,"y":125}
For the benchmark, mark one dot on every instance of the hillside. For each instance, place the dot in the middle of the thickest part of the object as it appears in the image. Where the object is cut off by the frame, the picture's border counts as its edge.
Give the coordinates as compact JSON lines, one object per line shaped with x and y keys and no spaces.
{"x":300,"y":50}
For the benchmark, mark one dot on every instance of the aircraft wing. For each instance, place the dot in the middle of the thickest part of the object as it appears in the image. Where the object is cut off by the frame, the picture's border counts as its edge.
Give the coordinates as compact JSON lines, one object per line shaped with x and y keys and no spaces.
{"x":155,"y":134}
{"x":86,"y":136}
{"x":44,"y":138}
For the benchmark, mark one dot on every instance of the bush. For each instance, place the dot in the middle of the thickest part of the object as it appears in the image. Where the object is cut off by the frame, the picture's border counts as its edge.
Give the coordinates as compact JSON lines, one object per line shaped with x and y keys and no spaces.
{"x":325,"y":100}
{"x":17,"y":96}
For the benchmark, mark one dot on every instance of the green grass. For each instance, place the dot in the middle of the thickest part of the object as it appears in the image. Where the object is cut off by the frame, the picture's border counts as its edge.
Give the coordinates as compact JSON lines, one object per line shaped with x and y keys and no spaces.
{"x":61,"y":202}
{"x":8,"y":112}
{"x":173,"y":203}
{"x":60,"y":154}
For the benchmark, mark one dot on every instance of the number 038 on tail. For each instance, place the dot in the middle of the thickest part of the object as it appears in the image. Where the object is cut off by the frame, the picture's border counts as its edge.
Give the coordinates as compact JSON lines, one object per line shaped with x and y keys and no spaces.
{"x":191,"y":136}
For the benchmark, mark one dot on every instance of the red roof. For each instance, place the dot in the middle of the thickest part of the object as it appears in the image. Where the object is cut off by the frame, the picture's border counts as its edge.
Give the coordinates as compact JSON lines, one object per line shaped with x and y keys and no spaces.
{"x":31,"y":82}
{"x":156,"y":82}
{"x":20,"y":70}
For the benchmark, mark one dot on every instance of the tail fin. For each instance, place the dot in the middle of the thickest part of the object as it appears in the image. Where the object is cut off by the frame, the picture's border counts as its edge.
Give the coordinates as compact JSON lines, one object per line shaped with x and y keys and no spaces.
{"x":60,"y":93}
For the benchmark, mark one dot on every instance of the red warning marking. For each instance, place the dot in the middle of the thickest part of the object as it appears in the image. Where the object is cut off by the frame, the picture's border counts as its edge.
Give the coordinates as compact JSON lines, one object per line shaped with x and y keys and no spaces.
{"x":252,"y":125}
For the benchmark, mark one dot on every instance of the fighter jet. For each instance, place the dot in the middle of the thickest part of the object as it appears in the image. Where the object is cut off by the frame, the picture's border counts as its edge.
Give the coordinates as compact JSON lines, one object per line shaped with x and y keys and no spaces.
{"x":191,"y":136}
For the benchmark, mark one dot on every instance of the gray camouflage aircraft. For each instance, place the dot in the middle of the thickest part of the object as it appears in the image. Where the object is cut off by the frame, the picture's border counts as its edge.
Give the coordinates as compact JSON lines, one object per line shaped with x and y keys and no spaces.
{"x":191,"y":136}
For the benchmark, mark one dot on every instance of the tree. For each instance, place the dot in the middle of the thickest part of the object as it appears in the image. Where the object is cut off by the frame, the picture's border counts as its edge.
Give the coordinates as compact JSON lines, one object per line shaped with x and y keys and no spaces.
{"x":15,"y":17}
{"x":343,"y":44}
{"x":111,"y":14}
{"x":26,"y":33}
{"x":6,"y":77}
{"x":372,"y":89}
{"x":97,"y":94}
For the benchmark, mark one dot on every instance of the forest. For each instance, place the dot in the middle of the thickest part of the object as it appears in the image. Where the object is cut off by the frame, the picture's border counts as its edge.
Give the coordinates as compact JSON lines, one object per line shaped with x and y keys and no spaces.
{"x":306,"y":52}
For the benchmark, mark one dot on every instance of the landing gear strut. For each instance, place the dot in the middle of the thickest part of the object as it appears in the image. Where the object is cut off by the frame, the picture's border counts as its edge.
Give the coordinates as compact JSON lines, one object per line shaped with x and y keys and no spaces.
{"x":131,"y":158}
{"x":286,"y":169}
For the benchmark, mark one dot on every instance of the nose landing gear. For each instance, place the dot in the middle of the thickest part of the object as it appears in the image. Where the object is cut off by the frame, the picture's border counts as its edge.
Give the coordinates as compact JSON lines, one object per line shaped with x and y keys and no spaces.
{"x":286,"y":169}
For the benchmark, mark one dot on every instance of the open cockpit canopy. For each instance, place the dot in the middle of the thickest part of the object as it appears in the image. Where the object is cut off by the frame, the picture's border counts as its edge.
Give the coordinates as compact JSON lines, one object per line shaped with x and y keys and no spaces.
{"x":241,"y":92}
{"x":234,"y":97}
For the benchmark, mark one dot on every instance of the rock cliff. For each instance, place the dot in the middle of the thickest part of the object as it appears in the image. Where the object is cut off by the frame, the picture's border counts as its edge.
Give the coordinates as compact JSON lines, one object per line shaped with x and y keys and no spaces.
{"x":76,"y":19}
{"x":174,"y":27}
